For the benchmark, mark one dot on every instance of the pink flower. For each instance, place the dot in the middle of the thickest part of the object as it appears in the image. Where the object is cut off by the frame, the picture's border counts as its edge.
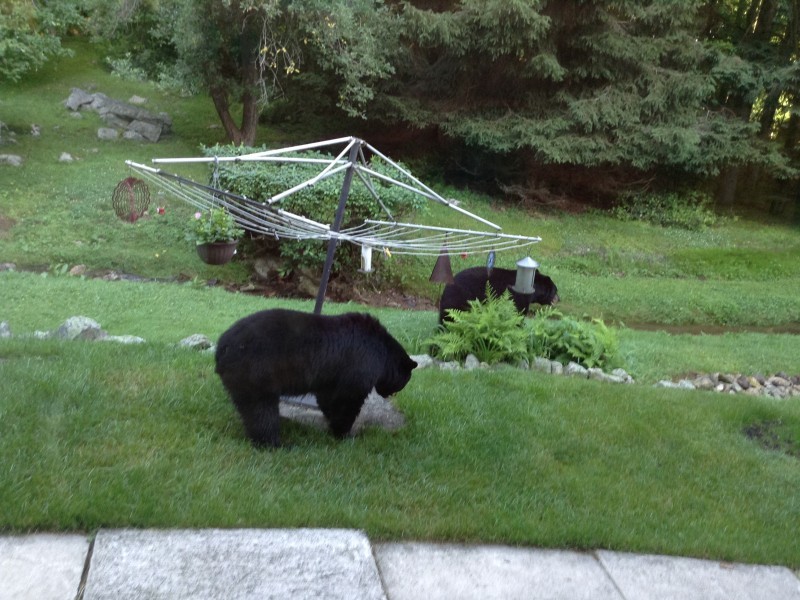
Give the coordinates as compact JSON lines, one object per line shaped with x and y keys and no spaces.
{"x":197,"y":215}
{"x":464,"y":255}
{"x":160,"y":210}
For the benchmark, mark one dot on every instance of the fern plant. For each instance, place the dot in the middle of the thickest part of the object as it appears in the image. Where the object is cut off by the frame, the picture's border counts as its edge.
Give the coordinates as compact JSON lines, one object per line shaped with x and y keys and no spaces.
{"x":558,"y":337}
{"x":491,"y":330}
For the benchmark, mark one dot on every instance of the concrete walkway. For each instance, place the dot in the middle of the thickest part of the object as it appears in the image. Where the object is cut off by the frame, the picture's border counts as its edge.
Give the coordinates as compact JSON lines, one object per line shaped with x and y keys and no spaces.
{"x":336,"y":563}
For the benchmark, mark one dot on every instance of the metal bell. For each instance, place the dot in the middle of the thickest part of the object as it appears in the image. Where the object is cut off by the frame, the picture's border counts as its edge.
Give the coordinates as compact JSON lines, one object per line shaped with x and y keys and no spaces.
{"x":442,"y":271}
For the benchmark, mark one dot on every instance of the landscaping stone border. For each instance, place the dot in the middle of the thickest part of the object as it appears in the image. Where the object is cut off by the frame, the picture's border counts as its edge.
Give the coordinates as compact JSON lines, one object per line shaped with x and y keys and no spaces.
{"x":780,"y":385}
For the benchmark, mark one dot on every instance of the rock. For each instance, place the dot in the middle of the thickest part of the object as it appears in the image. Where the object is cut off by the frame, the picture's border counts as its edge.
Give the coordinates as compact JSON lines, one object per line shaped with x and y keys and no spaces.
{"x":265,"y":267}
{"x":5,"y":330}
{"x":307,"y":282}
{"x":79,"y":328}
{"x":575,"y":370}
{"x":77,"y":270}
{"x":123,"y":339}
{"x":36,"y":130}
{"x":704,"y":382}
{"x":685,"y":384}
{"x":77,"y":99}
{"x":623,"y":374}
{"x":137,"y":100}
{"x":595,"y":373}
{"x":423,"y":361}
{"x":65,"y":157}
{"x":779,"y":381}
{"x":8,"y":266}
{"x":541,"y":364}
{"x":196,"y":342}
{"x":471,"y":362}
{"x":523,"y":364}
{"x":132,"y":135}
{"x":15,"y":160}
{"x":556,"y":368}
{"x":106,"y":133}
{"x":453,"y":365}
{"x":149,"y":131}
{"x":136,"y":122}
{"x":376,"y":412}
{"x":666,"y":383}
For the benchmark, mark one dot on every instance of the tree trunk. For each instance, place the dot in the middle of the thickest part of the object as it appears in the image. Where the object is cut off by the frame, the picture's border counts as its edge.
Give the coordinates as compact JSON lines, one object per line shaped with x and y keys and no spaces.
{"x":246,"y":134}
{"x":220,"y":98}
{"x":249,"y":119}
{"x":727,"y":189}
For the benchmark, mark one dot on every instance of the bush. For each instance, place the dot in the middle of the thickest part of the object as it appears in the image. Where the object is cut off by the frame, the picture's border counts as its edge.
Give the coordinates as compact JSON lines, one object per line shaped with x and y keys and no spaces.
{"x":558,"y":337}
{"x":491,"y":330}
{"x":495,"y":332}
{"x":689,"y":210}
{"x":262,"y":180}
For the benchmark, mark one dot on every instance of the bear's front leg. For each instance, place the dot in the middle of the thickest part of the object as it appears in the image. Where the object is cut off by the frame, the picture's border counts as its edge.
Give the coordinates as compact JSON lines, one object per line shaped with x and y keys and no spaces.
{"x":341,"y":410}
{"x":261,"y":422}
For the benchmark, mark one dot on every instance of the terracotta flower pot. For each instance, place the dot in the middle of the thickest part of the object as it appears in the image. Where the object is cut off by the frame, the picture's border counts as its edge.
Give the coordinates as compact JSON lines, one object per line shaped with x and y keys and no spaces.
{"x":217,"y":253}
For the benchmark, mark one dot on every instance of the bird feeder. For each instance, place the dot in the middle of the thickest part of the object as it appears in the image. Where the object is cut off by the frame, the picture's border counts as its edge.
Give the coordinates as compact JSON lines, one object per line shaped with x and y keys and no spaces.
{"x":366,"y":259}
{"x":526,"y":271}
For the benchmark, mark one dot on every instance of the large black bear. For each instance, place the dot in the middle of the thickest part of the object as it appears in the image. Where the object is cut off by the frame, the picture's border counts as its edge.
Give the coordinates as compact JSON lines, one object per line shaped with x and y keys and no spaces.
{"x":470,"y":284}
{"x":283,"y":352}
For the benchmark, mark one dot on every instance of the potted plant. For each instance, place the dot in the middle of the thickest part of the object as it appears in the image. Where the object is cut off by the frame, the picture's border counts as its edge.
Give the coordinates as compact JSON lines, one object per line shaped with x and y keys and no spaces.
{"x":215,"y":234}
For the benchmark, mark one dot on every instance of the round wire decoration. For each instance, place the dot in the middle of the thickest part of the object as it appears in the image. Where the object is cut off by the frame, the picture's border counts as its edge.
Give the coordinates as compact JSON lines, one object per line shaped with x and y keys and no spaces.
{"x":131,"y":199}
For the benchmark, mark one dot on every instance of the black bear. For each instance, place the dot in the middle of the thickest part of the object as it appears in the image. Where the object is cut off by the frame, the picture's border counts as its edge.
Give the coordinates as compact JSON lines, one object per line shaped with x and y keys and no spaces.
{"x":470,"y":284}
{"x":284,"y":352}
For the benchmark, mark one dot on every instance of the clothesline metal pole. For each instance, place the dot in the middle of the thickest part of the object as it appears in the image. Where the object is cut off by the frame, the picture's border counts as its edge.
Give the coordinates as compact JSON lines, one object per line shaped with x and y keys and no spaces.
{"x":337,"y":224}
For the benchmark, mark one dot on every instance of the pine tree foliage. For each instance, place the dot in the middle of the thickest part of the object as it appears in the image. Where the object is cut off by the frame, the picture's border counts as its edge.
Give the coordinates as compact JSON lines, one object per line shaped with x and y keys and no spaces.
{"x":624,"y":83}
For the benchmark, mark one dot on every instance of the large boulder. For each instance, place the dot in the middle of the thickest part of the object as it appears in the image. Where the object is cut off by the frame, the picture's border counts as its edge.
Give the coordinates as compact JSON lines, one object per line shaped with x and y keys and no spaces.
{"x":134,"y":121}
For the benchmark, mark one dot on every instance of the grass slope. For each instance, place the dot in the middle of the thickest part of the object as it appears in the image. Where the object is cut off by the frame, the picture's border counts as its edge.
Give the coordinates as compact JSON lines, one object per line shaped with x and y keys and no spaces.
{"x":96,"y":434}
{"x":112,"y":436}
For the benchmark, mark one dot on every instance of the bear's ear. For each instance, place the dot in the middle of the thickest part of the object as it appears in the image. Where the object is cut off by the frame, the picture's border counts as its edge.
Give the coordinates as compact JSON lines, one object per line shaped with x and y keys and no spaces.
{"x":411,"y":364}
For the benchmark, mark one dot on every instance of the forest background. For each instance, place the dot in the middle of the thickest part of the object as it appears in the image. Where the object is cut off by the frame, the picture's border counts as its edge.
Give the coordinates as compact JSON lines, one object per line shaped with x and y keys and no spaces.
{"x":543,"y":102}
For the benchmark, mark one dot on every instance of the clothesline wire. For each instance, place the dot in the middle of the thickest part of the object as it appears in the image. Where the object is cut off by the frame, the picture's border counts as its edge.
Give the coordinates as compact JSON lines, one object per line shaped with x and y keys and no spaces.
{"x":267,"y":218}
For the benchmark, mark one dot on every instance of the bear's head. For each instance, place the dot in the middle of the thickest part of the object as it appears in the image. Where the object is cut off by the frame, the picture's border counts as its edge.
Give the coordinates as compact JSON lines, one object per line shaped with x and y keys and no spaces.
{"x":396,"y":370}
{"x":544,"y":290}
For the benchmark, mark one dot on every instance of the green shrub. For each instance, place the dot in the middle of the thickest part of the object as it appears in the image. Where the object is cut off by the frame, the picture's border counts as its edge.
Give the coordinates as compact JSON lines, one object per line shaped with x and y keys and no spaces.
{"x":689,"y":210}
{"x":263,"y":180}
{"x":558,"y":337}
{"x":491,"y":330}
{"x":495,"y":332}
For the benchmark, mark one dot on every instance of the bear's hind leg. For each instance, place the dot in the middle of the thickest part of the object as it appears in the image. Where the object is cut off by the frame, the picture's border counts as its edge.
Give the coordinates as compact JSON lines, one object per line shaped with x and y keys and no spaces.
{"x":261,"y":421}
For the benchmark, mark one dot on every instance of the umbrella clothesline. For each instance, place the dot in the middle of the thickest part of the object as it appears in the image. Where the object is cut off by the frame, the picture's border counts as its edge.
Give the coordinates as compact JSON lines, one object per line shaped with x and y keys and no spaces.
{"x":393,"y":237}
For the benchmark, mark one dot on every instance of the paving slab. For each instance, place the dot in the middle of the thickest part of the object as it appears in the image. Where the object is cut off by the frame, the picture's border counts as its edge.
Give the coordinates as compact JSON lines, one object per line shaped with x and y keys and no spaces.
{"x":651,"y":577}
{"x":412,"y":571}
{"x":234,"y":564}
{"x":41,"y":566}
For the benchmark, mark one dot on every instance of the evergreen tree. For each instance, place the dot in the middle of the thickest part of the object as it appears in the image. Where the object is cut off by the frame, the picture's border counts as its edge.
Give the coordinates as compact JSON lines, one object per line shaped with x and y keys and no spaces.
{"x":622,"y":87}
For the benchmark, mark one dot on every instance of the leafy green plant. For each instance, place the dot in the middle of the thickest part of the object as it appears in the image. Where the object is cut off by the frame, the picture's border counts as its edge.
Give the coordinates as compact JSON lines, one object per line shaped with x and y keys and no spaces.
{"x":689,"y":210}
{"x":558,"y":337}
{"x":215,"y":225}
{"x":491,"y":330}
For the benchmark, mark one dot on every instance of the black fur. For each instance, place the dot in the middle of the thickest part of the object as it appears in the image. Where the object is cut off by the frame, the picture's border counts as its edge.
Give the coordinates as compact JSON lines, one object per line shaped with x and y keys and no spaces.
{"x":470,"y":284}
{"x":283,"y":352}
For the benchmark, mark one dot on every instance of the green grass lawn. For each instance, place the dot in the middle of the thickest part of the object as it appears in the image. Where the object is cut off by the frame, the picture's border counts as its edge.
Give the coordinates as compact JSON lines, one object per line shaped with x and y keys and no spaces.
{"x":101,"y":435}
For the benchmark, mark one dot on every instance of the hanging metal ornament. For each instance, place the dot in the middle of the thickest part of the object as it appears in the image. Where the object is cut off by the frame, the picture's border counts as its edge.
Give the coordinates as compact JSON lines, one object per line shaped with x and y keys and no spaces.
{"x":442,"y":270}
{"x":490,"y":263}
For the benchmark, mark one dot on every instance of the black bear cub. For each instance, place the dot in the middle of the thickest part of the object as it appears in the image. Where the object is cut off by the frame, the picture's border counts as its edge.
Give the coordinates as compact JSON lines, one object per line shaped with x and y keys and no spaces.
{"x":284,"y":352}
{"x":470,"y":284}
